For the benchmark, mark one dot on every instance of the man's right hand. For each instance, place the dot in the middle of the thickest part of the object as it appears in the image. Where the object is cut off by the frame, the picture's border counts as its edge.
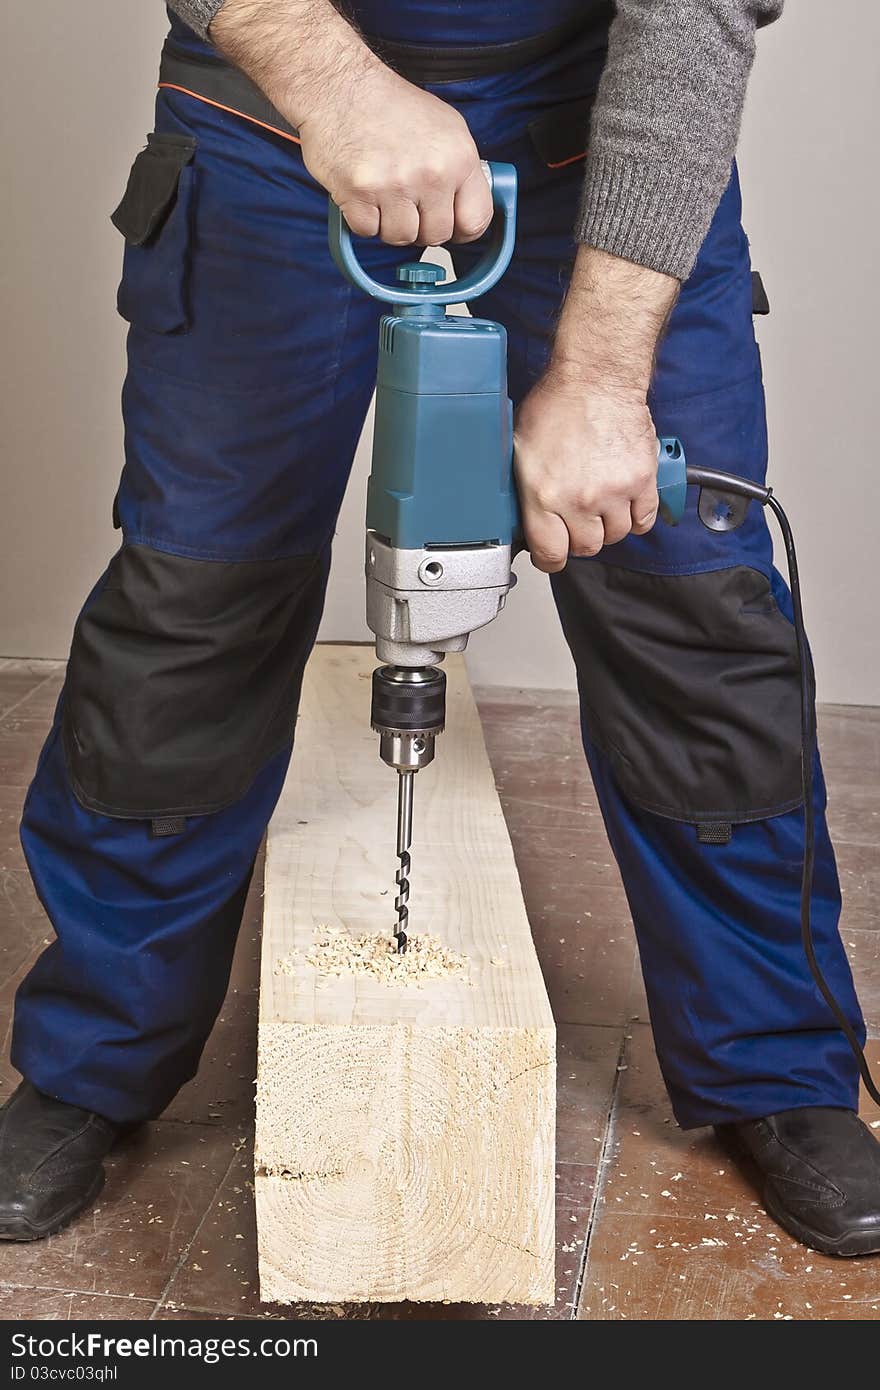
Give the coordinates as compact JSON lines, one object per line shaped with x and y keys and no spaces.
{"x":400,"y":163}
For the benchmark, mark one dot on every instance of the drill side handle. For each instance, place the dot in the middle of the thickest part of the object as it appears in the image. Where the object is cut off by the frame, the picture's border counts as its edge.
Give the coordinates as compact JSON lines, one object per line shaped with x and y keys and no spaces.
{"x":724,"y":497}
{"x":671,"y":480}
{"x":489,"y":269}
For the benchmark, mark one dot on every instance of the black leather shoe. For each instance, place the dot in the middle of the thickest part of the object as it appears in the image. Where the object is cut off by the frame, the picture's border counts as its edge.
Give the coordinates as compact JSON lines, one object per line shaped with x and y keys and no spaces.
{"x":820,"y":1175}
{"x":50,"y":1163}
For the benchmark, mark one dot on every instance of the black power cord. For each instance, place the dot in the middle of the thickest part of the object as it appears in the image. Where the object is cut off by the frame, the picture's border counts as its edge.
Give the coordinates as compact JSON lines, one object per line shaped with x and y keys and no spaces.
{"x":718,"y":486}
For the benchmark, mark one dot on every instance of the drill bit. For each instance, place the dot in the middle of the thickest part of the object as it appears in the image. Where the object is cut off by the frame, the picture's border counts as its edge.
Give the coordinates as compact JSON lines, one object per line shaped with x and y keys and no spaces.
{"x":404,"y":840}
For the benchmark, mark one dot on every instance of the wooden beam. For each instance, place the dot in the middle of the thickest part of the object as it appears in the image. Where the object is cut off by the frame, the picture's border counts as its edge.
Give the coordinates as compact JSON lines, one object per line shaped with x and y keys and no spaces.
{"x":405,"y":1136}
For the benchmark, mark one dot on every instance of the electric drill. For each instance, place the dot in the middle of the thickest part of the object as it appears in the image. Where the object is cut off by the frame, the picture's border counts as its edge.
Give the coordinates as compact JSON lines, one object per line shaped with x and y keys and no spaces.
{"x":441,"y":504}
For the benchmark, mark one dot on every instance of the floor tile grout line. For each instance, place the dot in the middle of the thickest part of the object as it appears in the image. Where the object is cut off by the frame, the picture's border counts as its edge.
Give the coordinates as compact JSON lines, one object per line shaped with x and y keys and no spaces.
{"x":7,"y":1287}
{"x":212,"y":1125}
{"x":602,"y":1169}
{"x":609,"y":1027}
{"x":24,"y":699}
{"x":184,"y":1254}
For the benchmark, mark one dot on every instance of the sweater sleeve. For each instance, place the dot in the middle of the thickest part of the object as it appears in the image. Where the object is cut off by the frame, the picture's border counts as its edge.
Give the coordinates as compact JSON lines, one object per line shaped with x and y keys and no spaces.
{"x":196,"y":13}
{"x":665,"y":126}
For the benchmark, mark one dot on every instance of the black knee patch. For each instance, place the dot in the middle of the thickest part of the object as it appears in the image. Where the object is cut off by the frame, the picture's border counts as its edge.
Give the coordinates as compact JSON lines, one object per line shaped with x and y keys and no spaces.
{"x":184,"y":679}
{"x":689,"y":686}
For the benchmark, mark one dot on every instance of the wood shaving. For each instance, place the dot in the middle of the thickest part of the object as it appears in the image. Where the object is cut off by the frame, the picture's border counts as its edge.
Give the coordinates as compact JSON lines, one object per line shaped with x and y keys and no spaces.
{"x":338,"y":952}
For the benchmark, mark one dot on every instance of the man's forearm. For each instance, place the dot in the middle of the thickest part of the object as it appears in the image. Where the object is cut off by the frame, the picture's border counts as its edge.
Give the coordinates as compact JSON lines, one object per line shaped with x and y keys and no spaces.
{"x":613,"y":316}
{"x":665,"y":126}
{"x":294,"y":50}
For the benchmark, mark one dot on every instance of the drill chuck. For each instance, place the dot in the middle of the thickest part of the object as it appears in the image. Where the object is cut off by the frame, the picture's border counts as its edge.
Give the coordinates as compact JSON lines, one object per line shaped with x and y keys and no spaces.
{"x":408,"y":711}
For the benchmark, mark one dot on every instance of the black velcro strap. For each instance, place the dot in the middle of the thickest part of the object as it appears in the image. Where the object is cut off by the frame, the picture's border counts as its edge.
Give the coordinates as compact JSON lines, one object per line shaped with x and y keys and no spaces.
{"x":167,"y":825}
{"x":152,"y":185}
{"x":760,"y":302}
{"x":715,"y":833}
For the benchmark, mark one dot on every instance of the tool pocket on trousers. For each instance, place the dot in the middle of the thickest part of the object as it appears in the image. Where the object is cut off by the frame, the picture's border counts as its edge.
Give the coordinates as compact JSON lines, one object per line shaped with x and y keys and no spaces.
{"x":561,"y":136}
{"x":155,"y":218}
{"x":184,"y":679}
{"x":689,"y":686}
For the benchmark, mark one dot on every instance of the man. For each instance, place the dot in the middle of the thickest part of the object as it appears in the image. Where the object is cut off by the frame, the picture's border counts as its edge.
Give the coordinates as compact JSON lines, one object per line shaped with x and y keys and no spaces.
{"x":251,"y":364}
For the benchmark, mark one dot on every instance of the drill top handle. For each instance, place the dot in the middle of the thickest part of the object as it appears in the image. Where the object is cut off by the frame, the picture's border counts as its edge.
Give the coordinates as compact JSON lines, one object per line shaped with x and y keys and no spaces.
{"x":502,"y":180}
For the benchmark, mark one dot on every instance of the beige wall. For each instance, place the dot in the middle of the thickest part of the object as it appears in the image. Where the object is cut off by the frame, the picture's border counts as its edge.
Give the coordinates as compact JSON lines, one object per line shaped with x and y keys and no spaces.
{"x":812,"y":208}
{"x":63,"y":166}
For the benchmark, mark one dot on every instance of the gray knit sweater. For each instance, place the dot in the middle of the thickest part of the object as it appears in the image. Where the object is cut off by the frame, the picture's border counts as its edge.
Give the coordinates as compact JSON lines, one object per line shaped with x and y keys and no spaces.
{"x":664,"y":127}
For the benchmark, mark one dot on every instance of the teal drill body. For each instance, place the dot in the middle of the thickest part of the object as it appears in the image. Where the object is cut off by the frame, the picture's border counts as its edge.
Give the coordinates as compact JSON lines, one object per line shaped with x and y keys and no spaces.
{"x":442,"y":471}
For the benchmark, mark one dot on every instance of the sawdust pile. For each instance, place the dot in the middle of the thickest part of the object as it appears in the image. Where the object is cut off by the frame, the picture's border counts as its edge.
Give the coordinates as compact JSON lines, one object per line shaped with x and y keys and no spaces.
{"x":338,"y":952}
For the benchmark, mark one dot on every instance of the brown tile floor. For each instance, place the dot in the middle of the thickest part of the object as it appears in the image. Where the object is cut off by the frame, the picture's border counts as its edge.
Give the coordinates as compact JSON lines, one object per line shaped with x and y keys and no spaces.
{"x":652,"y":1223}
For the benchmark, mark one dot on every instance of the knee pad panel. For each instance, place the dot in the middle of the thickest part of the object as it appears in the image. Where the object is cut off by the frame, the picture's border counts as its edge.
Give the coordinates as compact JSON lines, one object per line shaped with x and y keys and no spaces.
{"x":689,"y":685}
{"x":184,"y":679}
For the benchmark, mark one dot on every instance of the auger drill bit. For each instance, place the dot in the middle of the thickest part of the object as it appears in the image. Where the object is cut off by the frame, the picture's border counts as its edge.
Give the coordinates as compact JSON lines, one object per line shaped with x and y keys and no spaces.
{"x":408,"y":712}
{"x":404,"y":840}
